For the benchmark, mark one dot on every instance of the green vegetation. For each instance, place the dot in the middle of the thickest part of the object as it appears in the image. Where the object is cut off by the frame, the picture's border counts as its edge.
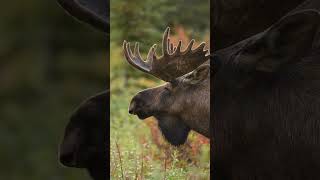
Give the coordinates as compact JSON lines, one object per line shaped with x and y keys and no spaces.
{"x":137,"y":149}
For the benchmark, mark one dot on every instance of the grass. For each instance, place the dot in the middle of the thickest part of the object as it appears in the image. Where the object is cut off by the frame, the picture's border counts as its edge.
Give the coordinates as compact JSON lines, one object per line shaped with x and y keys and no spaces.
{"x":137,"y":148}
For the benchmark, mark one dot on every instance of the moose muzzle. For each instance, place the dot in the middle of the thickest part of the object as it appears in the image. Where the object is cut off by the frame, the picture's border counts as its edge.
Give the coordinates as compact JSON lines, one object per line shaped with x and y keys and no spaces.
{"x":138,"y":107}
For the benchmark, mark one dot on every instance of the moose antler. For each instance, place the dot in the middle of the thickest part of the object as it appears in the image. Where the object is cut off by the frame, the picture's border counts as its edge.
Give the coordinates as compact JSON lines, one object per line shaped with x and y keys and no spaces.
{"x":173,"y":62}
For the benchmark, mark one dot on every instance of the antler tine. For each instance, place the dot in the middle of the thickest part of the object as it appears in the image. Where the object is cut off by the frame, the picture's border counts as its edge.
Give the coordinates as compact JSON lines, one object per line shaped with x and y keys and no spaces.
{"x":125,"y":50}
{"x":152,"y":54}
{"x":168,"y":46}
{"x":165,"y":42}
{"x":135,"y":61}
{"x":207,"y":55}
{"x":130,"y":52}
{"x":189,"y":47}
{"x":200,"y":47}
{"x":136,"y":51}
{"x":178,"y":49}
{"x":171,"y":48}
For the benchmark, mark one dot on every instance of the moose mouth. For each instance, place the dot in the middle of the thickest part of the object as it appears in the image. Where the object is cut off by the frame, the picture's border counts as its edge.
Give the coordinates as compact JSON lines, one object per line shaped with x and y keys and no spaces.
{"x":142,"y":115}
{"x":72,"y":160}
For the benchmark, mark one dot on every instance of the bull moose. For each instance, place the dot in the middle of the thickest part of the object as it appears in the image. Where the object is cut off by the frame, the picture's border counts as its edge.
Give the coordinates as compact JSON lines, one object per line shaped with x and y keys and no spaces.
{"x":85,"y":136}
{"x":266,"y":103}
{"x":182,"y":103}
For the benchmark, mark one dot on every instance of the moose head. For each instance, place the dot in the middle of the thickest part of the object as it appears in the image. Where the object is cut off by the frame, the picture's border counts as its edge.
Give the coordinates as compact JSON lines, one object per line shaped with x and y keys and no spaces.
{"x":84,"y":141}
{"x":182,"y":103}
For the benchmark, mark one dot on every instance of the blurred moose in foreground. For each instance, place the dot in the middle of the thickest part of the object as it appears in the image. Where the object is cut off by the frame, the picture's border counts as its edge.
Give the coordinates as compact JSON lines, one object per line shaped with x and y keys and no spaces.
{"x":266,"y":103}
{"x":183,"y":102}
{"x":267,"y":129}
{"x":85,"y":137}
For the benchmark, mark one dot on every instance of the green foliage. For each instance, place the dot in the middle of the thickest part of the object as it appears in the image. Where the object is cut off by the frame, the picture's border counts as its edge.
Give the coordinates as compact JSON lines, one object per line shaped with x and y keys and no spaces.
{"x":145,"y":20}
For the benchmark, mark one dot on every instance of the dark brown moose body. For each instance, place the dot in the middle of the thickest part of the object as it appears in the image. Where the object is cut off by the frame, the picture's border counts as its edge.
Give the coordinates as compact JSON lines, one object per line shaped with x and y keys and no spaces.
{"x":267,"y":104}
{"x":182,"y":103}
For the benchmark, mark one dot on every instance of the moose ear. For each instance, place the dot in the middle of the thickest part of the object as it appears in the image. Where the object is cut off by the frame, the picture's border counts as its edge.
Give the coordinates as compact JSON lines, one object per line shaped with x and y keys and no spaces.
{"x":92,"y":12}
{"x":198,"y":74}
{"x":285,"y":42}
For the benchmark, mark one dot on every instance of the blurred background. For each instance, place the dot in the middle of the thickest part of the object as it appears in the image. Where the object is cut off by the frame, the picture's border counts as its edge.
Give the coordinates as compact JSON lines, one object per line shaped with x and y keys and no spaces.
{"x":49,"y":63}
{"x":137,"y":148}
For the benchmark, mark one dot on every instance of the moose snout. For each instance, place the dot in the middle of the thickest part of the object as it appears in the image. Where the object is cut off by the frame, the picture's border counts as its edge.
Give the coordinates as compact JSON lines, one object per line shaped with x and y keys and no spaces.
{"x":138,"y":106}
{"x":133,"y":106}
{"x":68,"y":152}
{"x":131,"y":110}
{"x":67,"y":158}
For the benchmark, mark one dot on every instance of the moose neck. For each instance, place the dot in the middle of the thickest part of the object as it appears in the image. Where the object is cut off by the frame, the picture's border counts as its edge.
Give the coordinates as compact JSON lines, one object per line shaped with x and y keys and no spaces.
{"x":196,"y":114}
{"x":198,"y":124}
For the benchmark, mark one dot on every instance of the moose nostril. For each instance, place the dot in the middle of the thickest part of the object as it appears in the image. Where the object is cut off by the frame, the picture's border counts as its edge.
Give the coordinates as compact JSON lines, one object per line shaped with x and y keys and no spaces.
{"x":67,"y":159}
{"x":132,"y":107}
{"x":131,"y":111}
